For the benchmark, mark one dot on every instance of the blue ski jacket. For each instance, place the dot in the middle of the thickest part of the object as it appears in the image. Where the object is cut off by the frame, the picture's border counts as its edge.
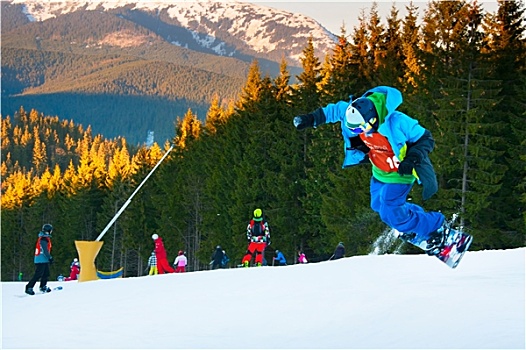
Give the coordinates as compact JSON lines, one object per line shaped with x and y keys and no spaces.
{"x":400,"y":130}
{"x":281,"y":258}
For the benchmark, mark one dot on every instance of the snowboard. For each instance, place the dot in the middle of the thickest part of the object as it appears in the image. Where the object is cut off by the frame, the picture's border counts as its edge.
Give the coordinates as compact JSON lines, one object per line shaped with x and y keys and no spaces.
{"x":456,"y":245}
{"x":38,"y":292}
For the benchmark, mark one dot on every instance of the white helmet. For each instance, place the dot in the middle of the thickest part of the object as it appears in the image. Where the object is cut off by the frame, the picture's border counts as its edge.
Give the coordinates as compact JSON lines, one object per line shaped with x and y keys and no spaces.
{"x":155,"y":236}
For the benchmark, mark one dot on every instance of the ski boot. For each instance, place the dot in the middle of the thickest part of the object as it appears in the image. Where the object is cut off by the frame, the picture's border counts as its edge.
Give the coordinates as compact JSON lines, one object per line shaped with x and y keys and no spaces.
{"x":30,"y":291}
{"x":45,"y":289}
{"x":407,"y":237}
{"x":245,"y":264}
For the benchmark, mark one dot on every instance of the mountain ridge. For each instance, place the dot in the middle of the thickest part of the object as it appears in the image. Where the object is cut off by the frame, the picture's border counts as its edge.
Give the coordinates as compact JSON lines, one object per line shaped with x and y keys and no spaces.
{"x":210,"y":25}
{"x":59,"y":56}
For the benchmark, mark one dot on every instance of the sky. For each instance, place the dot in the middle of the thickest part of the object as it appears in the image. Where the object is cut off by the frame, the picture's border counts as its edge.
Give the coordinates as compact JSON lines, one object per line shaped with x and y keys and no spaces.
{"x":362,"y":302}
{"x":333,"y":14}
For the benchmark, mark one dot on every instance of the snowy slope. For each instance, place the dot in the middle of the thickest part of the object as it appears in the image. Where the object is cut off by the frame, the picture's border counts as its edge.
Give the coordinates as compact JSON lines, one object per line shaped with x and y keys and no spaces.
{"x":262,"y":29}
{"x":388,"y":301}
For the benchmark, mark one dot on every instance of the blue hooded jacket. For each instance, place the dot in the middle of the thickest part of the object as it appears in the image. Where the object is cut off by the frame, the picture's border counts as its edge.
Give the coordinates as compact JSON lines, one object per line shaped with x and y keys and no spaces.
{"x":399,"y":129}
{"x":281,"y":258}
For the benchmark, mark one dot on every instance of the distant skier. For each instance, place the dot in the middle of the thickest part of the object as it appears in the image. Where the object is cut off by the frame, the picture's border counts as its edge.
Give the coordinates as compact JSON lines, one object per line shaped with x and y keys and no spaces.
{"x":339,"y":252}
{"x":160,"y":253}
{"x":302,"y":259}
{"x":217,"y":258}
{"x":398,"y":148}
{"x":225,"y":260}
{"x":280,"y":258}
{"x":74,"y":270}
{"x":180,"y":262}
{"x":152,"y":264}
{"x":42,"y":261}
{"x":258,"y":235}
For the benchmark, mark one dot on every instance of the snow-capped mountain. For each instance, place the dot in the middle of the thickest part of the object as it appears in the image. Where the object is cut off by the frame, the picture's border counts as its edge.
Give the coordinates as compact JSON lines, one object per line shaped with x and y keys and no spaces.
{"x":226,"y":28}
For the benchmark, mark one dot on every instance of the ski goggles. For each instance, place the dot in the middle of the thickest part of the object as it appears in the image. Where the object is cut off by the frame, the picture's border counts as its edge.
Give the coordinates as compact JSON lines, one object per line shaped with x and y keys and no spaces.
{"x":363,"y":127}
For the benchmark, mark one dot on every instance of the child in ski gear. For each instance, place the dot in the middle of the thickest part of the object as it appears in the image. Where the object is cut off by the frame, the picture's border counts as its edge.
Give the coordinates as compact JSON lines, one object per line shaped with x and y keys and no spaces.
{"x":75,"y":270}
{"x":225,"y":260}
{"x":160,"y":253}
{"x":152,"y":264}
{"x":180,"y":262}
{"x":339,"y":252}
{"x":217,"y":258}
{"x":42,"y":261}
{"x":302,"y":259}
{"x":398,"y":148}
{"x":280,"y":258}
{"x":258,"y":235}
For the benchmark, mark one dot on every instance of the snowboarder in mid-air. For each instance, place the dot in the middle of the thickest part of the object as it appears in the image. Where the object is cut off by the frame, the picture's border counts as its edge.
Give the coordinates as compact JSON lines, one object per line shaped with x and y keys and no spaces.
{"x":398,"y":148}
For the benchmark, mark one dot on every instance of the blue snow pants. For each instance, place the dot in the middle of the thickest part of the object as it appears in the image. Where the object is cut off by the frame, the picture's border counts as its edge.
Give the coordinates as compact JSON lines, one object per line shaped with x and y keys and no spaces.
{"x":390,"y":201}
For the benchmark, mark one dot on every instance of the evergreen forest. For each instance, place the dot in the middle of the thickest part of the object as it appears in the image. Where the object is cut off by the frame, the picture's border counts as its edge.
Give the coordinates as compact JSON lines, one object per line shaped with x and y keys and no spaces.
{"x":462,"y":73}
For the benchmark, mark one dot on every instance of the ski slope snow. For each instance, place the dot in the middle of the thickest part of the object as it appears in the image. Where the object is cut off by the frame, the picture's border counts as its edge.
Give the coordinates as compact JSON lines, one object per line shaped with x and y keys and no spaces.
{"x":362,"y":302}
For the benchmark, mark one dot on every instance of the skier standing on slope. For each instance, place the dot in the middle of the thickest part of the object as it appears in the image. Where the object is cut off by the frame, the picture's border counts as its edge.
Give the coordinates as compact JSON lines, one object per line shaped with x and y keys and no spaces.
{"x":152,"y":264}
{"x":339,"y":252}
{"x":42,"y":261}
{"x":398,"y":148}
{"x":180,"y":262}
{"x":160,"y":253}
{"x":258,"y":235}
{"x":217,"y":258}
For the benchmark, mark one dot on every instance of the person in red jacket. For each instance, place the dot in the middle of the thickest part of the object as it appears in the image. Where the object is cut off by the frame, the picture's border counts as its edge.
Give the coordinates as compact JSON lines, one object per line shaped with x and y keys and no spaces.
{"x":162,"y":262}
{"x":75,"y":270}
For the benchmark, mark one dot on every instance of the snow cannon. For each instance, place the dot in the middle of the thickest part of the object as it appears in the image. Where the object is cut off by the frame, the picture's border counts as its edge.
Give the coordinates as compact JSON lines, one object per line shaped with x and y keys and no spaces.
{"x":88,"y":251}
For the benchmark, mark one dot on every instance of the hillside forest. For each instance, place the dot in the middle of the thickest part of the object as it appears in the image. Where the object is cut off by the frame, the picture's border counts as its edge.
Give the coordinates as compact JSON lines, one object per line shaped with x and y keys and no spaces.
{"x":462,"y":73}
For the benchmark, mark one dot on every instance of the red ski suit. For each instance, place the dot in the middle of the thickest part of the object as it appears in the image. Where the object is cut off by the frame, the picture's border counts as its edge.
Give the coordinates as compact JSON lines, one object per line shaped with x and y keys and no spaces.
{"x":258,"y":235}
{"x":160,"y":253}
{"x":74,"y":273}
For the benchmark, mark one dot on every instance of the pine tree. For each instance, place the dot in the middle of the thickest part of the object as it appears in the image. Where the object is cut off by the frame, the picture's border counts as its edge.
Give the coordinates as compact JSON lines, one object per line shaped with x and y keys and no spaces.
{"x":360,"y":52}
{"x":409,"y":46}
{"x":507,"y":49}
{"x":465,"y":151}
{"x":307,"y":98}
{"x":390,"y":67}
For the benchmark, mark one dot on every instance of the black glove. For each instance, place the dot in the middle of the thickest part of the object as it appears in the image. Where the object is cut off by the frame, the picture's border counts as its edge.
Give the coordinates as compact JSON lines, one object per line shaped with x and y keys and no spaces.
{"x":310,"y":120}
{"x":408,"y":164}
{"x":357,"y":143}
{"x":50,"y":260}
{"x":304,"y":121}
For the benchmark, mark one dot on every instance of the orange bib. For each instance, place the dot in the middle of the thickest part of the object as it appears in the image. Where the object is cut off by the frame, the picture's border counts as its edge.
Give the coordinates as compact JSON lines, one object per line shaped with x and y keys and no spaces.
{"x":38,"y":248}
{"x":381,"y":153}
